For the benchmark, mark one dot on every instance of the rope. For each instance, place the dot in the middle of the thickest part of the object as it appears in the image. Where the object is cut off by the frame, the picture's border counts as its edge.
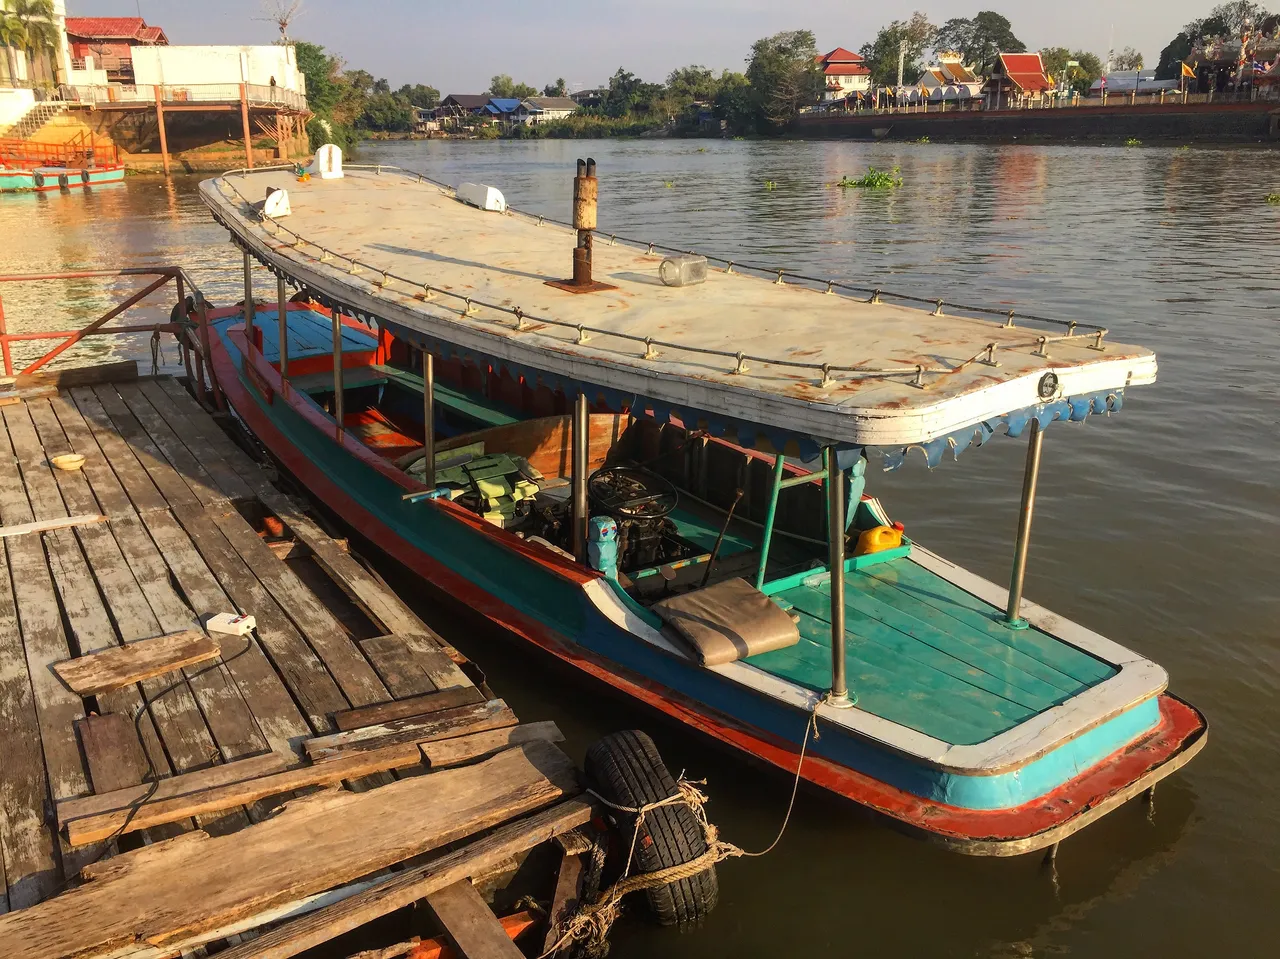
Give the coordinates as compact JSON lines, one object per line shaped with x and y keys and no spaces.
{"x":590,"y":925}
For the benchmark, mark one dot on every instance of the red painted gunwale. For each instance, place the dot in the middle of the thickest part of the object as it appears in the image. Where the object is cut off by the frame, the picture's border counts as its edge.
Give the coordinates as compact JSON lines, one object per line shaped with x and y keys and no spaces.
{"x":1180,"y":734}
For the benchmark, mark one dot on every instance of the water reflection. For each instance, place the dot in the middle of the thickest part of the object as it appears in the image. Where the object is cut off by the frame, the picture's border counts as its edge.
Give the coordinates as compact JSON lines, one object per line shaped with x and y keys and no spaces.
{"x":1157,"y":528}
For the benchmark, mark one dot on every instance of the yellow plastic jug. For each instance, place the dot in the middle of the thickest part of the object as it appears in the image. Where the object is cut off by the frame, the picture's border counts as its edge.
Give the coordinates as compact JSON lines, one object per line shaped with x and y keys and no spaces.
{"x":879,"y":538}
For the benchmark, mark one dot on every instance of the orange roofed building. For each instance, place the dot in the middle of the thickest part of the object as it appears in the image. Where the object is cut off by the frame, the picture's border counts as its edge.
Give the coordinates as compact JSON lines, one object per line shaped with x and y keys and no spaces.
{"x":1017,"y":78}
{"x":110,"y":42}
{"x":845,"y":74}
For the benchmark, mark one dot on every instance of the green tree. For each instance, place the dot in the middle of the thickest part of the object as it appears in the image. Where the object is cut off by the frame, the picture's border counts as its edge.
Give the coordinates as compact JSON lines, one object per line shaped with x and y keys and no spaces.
{"x":1224,"y":20}
{"x":503,"y":87}
{"x":1080,"y":77}
{"x":381,"y":86}
{"x":980,"y":39}
{"x":1235,"y":15}
{"x":1127,"y":59}
{"x":784,"y":75}
{"x":386,"y":112}
{"x":38,"y":34}
{"x":628,"y":94}
{"x":692,"y":83}
{"x":881,"y":54}
{"x":323,"y":74}
{"x":420,"y":95}
{"x":735,"y":102}
{"x":13,"y":37}
{"x":557,"y":89}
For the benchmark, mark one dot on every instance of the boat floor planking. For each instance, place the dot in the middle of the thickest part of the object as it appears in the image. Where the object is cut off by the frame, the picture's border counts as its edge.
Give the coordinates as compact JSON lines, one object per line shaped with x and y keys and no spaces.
{"x":396,"y":227}
{"x":1111,"y":713}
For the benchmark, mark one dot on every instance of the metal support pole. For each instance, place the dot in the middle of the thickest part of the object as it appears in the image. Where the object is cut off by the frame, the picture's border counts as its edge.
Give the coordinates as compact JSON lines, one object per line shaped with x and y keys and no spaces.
{"x":282,"y":308}
{"x":244,"y":119}
{"x":248,"y":301}
{"x":770,"y":514}
{"x":834,"y":483}
{"x":338,"y":398}
{"x":164,"y":140}
{"x":581,"y":436}
{"x":429,"y":418}
{"x":1029,"y":480}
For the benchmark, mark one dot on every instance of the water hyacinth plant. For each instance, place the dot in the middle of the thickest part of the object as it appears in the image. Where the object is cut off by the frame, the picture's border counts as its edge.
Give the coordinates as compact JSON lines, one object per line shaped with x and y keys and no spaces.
{"x":873,"y":179}
{"x":1273,"y":199}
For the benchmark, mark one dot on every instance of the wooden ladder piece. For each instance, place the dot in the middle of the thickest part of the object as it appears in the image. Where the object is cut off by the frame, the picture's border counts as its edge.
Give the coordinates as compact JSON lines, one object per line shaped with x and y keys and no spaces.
{"x":445,"y":724}
{"x":121,"y":666}
{"x":470,"y":924}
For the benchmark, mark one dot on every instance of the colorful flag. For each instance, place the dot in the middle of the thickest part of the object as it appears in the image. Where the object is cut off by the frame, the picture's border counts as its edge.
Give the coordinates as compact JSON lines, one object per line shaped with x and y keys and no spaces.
{"x":1187,"y":71}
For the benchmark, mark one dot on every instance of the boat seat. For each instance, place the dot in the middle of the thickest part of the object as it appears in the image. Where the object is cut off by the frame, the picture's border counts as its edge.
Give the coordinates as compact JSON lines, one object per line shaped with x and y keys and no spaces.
{"x":729,"y":621}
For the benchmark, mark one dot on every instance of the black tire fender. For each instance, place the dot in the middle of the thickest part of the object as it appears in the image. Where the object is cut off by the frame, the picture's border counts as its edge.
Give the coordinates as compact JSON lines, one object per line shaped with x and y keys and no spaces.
{"x":37,"y":179}
{"x":626,"y":770}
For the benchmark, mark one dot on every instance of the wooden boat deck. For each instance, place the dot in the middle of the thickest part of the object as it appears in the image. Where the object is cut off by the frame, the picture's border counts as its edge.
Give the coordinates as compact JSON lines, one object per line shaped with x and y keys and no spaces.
{"x":924,"y":653}
{"x":151,"y":538}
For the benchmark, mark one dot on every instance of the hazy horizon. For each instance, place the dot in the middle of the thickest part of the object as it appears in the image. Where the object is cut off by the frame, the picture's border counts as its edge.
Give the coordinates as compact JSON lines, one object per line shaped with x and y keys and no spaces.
{"x":455,"y":50}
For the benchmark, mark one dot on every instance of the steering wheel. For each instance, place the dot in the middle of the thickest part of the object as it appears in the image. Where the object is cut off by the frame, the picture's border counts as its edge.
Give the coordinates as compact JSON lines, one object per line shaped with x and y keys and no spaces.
{"x":631,"y":492}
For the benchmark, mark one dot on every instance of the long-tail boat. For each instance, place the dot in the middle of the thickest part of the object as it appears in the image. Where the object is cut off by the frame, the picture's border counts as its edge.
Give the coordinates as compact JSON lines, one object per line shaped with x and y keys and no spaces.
{"x":654,"y":483}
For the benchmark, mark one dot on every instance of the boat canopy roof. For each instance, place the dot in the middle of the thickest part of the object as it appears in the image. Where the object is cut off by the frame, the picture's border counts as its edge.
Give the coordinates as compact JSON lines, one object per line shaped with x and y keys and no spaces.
{"x":776,"y":360}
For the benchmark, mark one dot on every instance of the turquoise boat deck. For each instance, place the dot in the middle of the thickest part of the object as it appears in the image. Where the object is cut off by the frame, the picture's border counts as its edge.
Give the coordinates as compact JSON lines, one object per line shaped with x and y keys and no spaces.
{"x":310,"y":334}
{"x":925,"y":654}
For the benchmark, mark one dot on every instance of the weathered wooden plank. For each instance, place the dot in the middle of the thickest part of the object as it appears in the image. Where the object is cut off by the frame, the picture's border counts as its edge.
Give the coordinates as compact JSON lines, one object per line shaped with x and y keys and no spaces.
{"x":181,"y":802}
{"x":214,"y":435}
{"x":470,"y":924}
{"x":75,"y":376}
{"x":442,"y":725}
{"x":322,"y":631}
{"x":188,"y":428}
{"x":48,"y":525}
{"x":464,"y":749}
{"x":410,"y":885}
{"x":174,"y":490}
{"x":182,"y":460}
{"x":405,"y":708}
{"x":113,"y":751}
{"x":315,"y":843}
{"x":405,"y":673}
{"x":565,"y":898}
{"x":211,"y":777}
{"x":97,"y":471}
{"x":270,"y":720}
{"x":26,"y":844}
{"x":302,"y":671}
{"x":143,"y":493}
{"x":380,"y":603}
{"x":119,"y":666}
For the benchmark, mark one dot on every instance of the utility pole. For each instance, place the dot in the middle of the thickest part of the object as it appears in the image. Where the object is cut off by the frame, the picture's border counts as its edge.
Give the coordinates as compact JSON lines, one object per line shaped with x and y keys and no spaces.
{"x":902,"y":61}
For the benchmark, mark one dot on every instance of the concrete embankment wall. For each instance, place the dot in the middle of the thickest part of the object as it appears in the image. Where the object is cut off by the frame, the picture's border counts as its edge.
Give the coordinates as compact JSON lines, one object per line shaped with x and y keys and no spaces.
{"x":1195,"y":123}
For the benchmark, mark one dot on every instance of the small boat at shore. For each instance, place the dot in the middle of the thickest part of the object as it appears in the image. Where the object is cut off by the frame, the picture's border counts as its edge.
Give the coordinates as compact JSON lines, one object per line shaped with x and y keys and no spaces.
{"x":664,"y":486}
{"x":27,"y":167}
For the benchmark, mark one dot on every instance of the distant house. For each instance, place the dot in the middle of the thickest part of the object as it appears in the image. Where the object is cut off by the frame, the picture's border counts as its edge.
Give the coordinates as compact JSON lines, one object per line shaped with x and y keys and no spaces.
{"x":424,"y":120}
{"x":1016,"y":80}
{"x":535,"y":110}
{"x":109,"y":41}
{"x":845,"y":74}
{"x":949,"y":80}
{"x":502,"y":109}
{"x":588,"y":98}
{"x":1127,"y":82}
{"x":461,"y":104}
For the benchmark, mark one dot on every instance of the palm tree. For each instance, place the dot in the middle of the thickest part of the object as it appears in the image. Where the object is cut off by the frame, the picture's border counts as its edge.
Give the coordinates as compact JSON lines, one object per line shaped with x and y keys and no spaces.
{"x":13,"y":37}
{"x":41,"y":33}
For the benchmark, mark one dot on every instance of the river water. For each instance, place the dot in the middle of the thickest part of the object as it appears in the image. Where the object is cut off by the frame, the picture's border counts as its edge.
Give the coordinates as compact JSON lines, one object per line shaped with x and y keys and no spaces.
{"x":1158,"y":527}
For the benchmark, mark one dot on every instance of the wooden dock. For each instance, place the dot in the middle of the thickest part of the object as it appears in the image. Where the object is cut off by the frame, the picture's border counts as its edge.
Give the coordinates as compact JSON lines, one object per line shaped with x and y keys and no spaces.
{"x":141,"y":786}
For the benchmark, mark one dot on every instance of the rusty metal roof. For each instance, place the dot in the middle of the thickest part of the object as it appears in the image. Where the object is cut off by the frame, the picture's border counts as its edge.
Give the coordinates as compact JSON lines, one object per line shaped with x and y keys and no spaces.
{"x":782,"y":355}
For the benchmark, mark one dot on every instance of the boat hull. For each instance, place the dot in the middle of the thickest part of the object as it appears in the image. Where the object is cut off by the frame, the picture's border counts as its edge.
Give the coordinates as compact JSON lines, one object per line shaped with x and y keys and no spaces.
{"x":549,"y":607}
{"x":48,"y":179}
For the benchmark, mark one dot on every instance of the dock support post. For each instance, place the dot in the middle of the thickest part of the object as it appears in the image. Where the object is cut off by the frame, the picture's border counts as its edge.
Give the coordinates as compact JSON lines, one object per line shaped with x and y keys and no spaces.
{"x":771,"y":512}
{"x":834,"y":483}
{"x":164,"y":140}
{"x":429,"y":418}
{"x":282,"y":309}
{"x":202,"y":314}
{"x":339,"y":412}
{"x":244,"y":119}
{"x":248,"y":301}
{"x":1030,"y":478}
{"x":581,"y":436}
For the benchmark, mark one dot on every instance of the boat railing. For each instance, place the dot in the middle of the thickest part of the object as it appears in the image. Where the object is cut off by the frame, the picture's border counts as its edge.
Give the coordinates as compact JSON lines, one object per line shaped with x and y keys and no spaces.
{"x":470,"y":306}
{"x":188,"y":297}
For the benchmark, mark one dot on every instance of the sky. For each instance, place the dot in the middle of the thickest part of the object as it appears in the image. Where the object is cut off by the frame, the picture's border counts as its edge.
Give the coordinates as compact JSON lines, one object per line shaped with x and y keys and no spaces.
{"x":457,"y":46}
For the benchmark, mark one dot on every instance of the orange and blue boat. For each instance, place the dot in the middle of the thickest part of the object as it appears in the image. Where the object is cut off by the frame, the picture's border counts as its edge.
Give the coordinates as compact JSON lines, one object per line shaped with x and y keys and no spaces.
{"x":27,"y":167}
{"x":656,"y":470}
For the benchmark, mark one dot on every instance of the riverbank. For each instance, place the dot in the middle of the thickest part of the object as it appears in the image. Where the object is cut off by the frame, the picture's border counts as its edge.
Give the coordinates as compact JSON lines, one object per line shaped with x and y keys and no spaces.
{"x":1189,"y":123}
